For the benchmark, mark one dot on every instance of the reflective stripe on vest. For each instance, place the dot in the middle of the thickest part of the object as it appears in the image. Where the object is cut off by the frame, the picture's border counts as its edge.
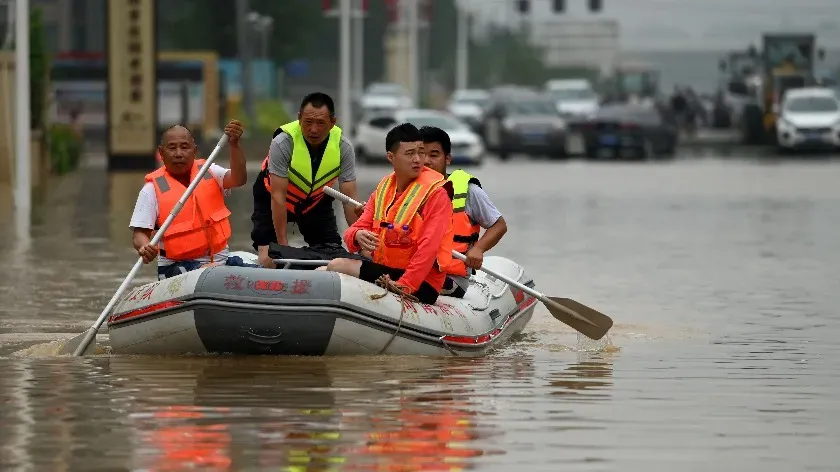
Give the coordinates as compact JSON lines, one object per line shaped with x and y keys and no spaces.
{"x":399,"y":224}
{"x":306,"y":186}
{"x":202,"y":227}
{"x":465,"y":231}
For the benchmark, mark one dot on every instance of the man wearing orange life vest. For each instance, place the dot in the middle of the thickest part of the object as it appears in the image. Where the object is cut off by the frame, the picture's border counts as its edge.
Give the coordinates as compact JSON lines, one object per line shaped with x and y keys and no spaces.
{"x":472,"y":210}
{"x":406,"y":223}
{"x":199,"y":234}
{"x":304,"y":157}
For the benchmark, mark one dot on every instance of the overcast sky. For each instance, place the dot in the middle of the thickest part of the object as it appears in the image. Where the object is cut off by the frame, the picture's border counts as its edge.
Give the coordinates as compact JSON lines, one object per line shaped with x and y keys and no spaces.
{"x":696,"y":24}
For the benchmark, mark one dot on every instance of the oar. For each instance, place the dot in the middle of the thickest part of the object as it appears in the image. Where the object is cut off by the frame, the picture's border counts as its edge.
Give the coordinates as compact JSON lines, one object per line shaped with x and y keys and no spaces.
{"x":589,"y":322}
{"x":78,"y":345}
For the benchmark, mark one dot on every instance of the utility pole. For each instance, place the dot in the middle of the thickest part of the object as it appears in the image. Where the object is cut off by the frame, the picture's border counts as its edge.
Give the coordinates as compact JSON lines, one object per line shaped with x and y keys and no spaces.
{"x":414,"y":50}
{"x":243,"y":30}
{"x":462,"y":58}
{"x":23,"y":115}
{"x":359,"y":45}
{"x":344,"y":107}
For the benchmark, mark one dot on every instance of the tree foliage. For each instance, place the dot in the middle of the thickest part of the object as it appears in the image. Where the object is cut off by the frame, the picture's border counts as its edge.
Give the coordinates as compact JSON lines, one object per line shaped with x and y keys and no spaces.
{"x":301,"y":31}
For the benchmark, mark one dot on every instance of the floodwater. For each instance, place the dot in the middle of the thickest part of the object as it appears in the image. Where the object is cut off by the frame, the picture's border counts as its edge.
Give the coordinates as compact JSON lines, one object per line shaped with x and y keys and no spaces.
{"x":721,"y":276}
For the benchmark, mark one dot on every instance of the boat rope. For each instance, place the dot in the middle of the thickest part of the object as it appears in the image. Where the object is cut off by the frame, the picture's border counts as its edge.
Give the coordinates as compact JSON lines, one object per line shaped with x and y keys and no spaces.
{"x":404,"y":296}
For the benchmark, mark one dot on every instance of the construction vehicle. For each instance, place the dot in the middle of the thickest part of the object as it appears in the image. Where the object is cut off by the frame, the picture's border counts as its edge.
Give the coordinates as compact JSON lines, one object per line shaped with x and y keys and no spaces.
{"x":631,"y":81}
{"x":787,"y":61}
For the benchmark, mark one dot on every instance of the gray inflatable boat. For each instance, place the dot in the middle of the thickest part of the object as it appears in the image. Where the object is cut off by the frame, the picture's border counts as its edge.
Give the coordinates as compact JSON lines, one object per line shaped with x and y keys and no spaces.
{"x":241,"y":310}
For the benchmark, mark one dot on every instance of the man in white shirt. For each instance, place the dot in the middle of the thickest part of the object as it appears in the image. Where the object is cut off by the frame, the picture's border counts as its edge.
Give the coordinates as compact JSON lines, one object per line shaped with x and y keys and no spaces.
{"x":199,"y":234}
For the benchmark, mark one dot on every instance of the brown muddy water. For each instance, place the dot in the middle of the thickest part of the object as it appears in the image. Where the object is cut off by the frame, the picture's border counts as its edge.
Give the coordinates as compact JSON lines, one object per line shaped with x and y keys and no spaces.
{"x":721,"y":275}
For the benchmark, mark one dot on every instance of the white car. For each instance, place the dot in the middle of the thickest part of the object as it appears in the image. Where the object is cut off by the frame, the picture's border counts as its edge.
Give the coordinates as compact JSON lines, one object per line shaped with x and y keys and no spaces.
{"x":384,"y":97}
{"x":468,"y":105}
{"x":574,"y":98}
{"x":467,"y":147}
{"x":808,"y":118}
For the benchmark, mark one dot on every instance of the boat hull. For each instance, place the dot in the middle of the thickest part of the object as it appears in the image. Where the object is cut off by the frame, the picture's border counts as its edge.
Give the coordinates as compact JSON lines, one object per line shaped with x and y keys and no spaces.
{"x":304,"y":312}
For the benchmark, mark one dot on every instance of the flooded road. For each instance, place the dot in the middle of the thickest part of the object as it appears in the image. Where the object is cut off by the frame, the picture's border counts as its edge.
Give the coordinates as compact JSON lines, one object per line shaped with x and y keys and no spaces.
{"x":721,"y":276}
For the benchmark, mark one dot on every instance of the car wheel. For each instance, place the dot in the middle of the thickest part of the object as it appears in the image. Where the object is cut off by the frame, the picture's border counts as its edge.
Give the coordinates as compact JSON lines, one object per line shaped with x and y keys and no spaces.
{"x":361,"y":155}
{"x":647,"y":152}
{"x":493,"y":136}
{"x":558,"y":154}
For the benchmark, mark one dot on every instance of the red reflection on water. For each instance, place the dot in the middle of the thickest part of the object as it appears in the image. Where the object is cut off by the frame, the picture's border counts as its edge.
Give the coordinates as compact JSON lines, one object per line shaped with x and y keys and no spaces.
{"x":436,"y":438}
{"x":189,"y":446}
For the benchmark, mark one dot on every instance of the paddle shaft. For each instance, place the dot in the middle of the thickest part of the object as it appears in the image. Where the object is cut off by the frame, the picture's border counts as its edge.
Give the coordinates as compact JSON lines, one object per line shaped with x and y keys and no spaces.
{"x":541,"y":297}
{"x":91,"y":332}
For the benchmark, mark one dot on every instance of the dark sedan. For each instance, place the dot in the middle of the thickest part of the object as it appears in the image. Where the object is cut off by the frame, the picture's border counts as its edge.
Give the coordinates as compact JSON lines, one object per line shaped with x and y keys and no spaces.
{"x":619,"y":131}
{"x":526,"y":124}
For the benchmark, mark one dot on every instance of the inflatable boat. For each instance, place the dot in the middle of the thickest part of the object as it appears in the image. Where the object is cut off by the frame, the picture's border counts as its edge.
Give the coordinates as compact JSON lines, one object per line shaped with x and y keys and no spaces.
{"x":244,"y":310}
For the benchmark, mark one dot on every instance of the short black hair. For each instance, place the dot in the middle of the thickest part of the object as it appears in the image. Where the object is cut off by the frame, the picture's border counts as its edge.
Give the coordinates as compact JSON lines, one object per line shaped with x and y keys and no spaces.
{"x":402,"y":133}
{"x":318,"y":100}
{"x":433,"y":134}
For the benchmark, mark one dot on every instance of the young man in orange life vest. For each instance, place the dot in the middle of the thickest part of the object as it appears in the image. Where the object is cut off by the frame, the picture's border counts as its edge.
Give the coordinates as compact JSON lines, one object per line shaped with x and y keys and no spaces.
{"x":406,"y":223}
{"x":472,"y":210}
{"x":199,"y":234}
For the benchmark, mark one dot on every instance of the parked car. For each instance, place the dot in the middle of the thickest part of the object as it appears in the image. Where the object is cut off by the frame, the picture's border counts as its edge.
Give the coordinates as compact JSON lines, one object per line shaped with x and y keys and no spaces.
{"x":467,"y":147}
{"x":384,"y":97}
{"x":630,"y":130}
{"x":468,"y":105}
{"x":809,"y":119}
{"x":523,"y":122}
{"x":575,"y":98}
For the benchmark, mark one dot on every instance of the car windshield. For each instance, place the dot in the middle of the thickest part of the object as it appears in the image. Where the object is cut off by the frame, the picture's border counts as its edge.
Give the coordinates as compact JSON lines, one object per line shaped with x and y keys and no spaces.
{"x":572,"y":94}
{"x":532,"y":107}
{"x":438,"y":121}
{"x":812,"y":104}
{"x":385,"y":89}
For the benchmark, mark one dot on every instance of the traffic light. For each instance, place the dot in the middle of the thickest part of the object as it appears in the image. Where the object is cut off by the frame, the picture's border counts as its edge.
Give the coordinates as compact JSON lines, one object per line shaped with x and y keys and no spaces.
{"x":523,"y":6}
{"x":559,"y":6}
{"x":595,"y":5}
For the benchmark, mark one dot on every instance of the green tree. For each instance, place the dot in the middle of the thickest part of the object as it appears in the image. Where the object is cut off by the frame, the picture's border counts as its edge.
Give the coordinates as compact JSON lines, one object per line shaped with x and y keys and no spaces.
{"x":301,"y":31}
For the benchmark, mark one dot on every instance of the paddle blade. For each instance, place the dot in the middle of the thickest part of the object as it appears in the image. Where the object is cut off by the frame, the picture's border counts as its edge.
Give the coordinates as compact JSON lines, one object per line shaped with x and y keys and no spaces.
{"x":560,"y":308}
{"x":69,"y":346}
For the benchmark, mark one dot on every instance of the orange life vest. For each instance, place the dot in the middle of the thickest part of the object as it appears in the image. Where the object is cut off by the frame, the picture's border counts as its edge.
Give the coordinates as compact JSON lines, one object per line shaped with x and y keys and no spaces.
{"x":398,"y":221}
{"x":306,"y":185}
{"x":264,"y":168}
{"x":202,"y":226}
{"x":465,"y":231}
{"x":267,"y":177}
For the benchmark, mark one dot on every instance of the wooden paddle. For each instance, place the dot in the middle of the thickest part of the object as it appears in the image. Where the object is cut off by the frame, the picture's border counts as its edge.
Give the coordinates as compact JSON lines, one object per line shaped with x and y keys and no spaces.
{"x":587,"y":321}
{"x":79,"y":344}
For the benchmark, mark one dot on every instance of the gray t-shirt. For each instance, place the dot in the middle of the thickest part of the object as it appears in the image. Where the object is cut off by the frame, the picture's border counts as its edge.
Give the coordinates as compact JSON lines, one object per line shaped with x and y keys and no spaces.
{"x":280,"y":157}
{"x":481,"y":210}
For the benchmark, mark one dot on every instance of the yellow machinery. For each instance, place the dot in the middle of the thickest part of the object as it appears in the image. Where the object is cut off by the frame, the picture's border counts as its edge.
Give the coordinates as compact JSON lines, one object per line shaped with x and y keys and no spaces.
{"x":788,"y":62}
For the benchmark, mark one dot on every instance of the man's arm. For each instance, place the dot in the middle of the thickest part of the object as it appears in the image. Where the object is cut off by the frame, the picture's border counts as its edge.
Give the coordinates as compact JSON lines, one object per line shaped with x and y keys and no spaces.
{"x":237,"y":176}
{"x":437,"y":216}
{"x":278,"y":207}
{"x":143,"y":221}
{"x":347,"y":179}
{"x":482,"y":210}
{"x":279,"y":159}
{"x":364,"y":222}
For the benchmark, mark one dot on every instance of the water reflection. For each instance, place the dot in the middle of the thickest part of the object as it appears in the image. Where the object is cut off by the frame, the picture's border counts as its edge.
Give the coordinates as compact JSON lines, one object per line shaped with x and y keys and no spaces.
{"x":312,"y":414}
{"x":587,"y":380}
{"x":121,"y":197}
